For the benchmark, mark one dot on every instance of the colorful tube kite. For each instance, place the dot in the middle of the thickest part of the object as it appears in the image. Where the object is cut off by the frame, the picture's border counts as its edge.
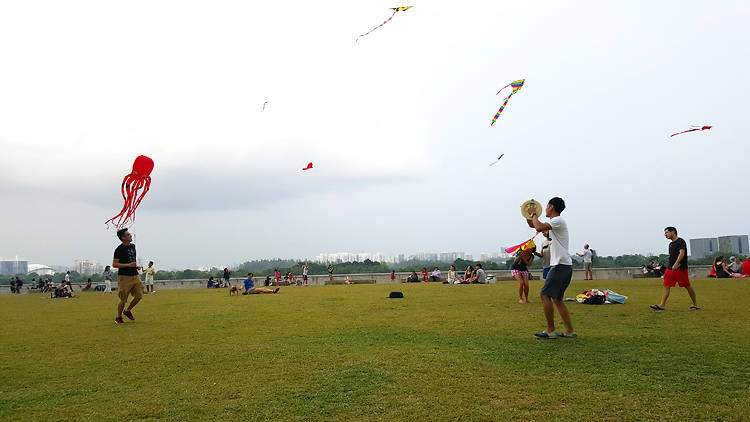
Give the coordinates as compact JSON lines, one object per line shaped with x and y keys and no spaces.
{"x":529,"y":244}
{"x":395,"y":10}
{"x":516,"y":87}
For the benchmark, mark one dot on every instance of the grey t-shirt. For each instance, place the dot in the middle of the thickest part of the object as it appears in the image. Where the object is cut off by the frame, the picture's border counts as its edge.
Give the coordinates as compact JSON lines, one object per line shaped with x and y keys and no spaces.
{"x":481,"y":276}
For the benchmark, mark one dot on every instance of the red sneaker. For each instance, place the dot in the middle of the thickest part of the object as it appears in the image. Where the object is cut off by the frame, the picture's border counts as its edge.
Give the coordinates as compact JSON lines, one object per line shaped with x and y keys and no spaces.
{"x":119,"y":320}
{"x":129,"y":315}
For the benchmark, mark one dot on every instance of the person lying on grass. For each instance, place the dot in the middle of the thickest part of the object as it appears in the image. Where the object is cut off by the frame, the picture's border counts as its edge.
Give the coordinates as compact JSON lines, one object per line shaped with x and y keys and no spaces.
{"x":250,"y":288}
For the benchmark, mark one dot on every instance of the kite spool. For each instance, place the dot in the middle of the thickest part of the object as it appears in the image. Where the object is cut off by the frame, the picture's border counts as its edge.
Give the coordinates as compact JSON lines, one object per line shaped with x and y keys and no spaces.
{"x":529,"y":207}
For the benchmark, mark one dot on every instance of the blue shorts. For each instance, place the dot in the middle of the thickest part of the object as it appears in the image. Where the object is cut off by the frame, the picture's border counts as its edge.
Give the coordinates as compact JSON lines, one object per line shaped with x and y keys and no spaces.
{"x":557,"y":281}
{"x":544,"y":273}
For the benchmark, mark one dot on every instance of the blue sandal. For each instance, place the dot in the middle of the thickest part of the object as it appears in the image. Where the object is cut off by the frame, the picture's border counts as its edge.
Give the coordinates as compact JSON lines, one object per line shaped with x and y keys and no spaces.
{"x":545,"y":336}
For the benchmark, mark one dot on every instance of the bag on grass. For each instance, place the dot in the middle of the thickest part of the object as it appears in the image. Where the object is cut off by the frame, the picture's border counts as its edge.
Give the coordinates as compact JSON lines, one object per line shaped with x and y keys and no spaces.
{"x":595,"y":300}
{"x":614,"y":297}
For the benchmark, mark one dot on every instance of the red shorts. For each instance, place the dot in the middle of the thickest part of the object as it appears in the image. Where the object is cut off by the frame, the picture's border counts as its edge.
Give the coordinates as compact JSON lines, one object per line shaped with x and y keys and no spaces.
{"x":676,"y":277}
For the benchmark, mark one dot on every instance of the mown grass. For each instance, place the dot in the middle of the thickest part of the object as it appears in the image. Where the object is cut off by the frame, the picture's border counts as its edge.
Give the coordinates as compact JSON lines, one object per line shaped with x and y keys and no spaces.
{"x":347,"y":353}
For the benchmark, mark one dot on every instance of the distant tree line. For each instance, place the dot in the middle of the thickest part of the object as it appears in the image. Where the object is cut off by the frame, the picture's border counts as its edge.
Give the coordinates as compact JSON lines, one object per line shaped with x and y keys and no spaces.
{"x":264,"y":267}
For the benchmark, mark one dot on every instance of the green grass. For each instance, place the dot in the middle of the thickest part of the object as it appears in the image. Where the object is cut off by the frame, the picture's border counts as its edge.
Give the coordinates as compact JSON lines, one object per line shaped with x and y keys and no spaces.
{"x":341,"y":353}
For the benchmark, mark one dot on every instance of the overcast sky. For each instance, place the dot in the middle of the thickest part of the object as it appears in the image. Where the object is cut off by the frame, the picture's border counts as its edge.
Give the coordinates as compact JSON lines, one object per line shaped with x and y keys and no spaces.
{"x":396,"y":125}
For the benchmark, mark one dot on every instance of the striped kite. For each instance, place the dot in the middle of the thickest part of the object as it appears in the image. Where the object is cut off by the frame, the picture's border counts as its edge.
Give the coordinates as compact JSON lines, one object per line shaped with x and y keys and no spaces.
{"x":395,"y":10}
{"x":516,"y":87}
{"x":694,"y":128}
{"x":529,"y":244}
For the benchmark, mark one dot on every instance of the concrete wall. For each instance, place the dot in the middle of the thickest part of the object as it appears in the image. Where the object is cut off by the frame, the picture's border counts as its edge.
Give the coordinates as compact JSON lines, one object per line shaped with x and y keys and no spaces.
{"x":385,"y":278}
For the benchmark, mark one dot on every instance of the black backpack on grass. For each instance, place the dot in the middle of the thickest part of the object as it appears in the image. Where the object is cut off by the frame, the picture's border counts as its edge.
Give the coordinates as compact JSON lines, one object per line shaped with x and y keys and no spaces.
{"x":595,"y":300}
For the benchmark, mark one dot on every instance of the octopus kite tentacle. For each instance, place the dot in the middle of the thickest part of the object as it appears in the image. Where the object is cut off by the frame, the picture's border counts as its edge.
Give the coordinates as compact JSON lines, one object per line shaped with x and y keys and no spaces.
{"x":131,"y":185}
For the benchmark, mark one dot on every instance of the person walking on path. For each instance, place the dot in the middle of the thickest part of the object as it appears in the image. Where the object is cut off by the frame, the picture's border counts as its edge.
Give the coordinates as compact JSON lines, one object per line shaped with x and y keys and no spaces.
{"x":128,"y":281}
{"x":587,"y":262}
{"x":150,"y":271}
{"x":561,"y":269}
{"x":677,"y":271}
{"x":107,"y":279}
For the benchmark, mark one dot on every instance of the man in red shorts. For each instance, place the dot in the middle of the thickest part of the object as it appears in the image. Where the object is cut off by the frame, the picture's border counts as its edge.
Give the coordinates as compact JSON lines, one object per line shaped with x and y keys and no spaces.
{"x":677,"y":272}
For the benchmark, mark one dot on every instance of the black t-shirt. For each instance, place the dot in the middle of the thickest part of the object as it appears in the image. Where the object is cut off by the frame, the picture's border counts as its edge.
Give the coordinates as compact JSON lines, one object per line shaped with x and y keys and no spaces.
{"x":674,"y":252}
{"x":126,"y":255}
{"x":519,"y":265}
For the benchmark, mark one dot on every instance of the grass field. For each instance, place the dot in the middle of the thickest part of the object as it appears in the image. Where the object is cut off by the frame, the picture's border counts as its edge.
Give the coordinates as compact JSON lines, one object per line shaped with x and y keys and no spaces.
{"x":341,"y":353}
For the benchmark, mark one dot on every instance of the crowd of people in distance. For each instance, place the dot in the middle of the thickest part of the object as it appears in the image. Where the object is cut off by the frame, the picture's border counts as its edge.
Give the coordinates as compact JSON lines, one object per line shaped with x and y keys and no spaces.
{"x":470,"y":276}
{"x":736,"y":268}
{"x":287,"y":280}
{"x":654,"y":269}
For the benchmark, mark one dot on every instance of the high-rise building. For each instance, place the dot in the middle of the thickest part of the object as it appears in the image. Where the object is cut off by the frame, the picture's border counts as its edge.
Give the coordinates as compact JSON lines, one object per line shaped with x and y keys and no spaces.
{"x":703,"y":247}
{"x":13,"y":266}
{"x":737,"y":244}
{"x":86,"y":267}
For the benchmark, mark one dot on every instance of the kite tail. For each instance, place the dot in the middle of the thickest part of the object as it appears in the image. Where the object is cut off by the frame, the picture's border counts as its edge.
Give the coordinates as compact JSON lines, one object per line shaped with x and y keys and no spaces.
{"x":494,"y":119}
{"x":373,"y":29}
{"x":503,"y":88}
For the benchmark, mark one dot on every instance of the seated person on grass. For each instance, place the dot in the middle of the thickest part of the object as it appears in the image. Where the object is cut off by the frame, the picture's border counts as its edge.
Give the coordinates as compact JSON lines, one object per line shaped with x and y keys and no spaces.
{"x":250,"y":288}
{"x":735,"y":265}
{"x":435,"y":275}
{"x":413,"y":278}
{"x":722,"y":270}
{"x":467,"y":277}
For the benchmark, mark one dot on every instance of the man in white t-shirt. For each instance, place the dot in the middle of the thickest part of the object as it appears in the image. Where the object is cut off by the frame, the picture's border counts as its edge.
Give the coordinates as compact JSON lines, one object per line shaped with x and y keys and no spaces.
{"x":586,"y":255}
{"x":561,"y":269}
{"x":305,"y":269}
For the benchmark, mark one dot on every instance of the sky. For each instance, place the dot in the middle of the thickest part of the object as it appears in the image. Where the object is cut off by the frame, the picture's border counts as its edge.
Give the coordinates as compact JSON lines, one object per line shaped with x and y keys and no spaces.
{"x":397,"y":125}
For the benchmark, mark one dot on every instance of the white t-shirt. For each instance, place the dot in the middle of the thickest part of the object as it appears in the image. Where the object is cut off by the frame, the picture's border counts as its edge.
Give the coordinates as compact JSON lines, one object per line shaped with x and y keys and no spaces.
{"x":545,"y":253}
{"x":586,"y":255}
{"x":559,"y":246}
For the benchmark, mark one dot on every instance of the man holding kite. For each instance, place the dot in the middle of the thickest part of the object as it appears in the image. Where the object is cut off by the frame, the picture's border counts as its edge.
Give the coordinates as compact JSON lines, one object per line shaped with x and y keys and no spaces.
{"x":561,"y":268}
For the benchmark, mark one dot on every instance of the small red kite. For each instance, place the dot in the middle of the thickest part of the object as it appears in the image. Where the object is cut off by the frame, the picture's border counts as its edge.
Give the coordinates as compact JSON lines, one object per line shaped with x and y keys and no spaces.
{"x":309,"y":166}
{"x":691,"y":130}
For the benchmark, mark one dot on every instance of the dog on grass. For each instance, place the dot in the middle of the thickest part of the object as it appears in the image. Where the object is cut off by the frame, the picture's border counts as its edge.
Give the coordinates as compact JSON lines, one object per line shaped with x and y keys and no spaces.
{"x":234,"y":291}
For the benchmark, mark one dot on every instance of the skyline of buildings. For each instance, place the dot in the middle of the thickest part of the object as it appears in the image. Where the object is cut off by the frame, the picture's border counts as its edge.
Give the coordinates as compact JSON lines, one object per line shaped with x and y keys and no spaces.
{"x":699,"y":248}
{"x":705,"y":246}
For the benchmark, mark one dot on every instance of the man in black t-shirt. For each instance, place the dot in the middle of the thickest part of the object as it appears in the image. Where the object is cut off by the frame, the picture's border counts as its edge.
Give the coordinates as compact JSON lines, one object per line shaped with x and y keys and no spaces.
{"x":128,"y":281}
{"x":677,"y":271}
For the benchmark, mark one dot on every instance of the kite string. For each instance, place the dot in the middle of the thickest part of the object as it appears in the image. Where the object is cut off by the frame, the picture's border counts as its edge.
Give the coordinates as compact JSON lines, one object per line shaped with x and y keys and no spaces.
{"x":373,"y":29}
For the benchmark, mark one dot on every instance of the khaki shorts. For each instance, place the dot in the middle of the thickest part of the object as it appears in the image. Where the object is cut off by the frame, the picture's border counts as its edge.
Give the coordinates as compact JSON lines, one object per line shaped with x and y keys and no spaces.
{"x":129,"y":284}
{"x":587,"y":266}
